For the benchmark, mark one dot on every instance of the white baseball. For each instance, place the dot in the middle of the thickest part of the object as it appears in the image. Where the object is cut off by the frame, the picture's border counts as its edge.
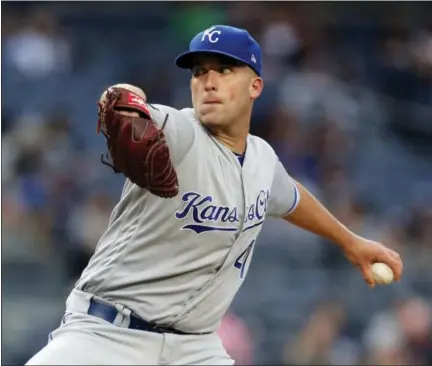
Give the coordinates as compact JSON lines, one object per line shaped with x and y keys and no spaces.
{"x":382,"y":273}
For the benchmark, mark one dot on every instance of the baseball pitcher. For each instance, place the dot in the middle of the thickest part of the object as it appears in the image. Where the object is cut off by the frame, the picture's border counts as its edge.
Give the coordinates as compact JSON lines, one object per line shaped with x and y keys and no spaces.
{"x":181,"y":238}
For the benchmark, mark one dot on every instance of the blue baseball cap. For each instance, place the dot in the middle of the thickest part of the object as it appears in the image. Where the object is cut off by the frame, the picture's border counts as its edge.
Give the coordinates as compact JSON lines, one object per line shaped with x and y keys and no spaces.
{"x":232,"y":42}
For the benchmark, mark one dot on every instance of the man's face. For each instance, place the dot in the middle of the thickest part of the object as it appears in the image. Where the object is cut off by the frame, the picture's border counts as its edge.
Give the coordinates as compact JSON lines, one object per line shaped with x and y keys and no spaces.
{"x":223,"y":90}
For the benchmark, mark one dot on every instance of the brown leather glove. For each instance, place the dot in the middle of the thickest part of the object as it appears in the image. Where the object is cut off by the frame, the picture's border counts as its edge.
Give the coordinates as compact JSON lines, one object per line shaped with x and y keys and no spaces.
{"x":136,"y":145}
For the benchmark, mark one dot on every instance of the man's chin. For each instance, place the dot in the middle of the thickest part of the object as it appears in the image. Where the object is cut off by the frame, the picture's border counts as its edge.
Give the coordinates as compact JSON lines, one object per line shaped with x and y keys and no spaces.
{"x":210,"y":119}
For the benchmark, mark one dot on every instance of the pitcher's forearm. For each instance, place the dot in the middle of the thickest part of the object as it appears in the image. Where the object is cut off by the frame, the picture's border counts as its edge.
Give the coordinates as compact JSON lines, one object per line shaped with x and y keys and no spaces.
{"x":312,"y":216}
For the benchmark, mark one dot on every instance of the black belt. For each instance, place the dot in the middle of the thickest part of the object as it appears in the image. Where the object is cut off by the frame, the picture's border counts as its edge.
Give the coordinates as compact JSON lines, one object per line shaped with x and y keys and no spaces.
{"x":109,"y":313}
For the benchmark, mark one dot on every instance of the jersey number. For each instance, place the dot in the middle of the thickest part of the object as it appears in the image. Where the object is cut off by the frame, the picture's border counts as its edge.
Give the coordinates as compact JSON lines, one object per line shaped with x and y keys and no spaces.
{"x":241,"y":261}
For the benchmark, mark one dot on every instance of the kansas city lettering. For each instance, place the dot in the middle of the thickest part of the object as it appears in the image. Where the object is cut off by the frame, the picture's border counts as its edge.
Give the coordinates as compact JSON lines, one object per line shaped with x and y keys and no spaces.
{"x":203,"y":212}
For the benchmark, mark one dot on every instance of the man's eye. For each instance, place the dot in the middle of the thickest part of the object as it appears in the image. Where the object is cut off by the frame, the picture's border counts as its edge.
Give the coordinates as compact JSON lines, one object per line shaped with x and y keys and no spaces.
{"x":224,"y":70}
{"x":198,"y":71}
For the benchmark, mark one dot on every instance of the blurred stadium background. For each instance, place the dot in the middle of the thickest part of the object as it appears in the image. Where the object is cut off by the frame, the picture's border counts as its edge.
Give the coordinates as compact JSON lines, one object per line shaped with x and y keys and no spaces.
{"x":348,"y":107}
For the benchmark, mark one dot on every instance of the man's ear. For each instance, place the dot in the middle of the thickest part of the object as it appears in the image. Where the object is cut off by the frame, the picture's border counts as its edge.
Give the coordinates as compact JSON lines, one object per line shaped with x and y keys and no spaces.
{"x":256,"y":88}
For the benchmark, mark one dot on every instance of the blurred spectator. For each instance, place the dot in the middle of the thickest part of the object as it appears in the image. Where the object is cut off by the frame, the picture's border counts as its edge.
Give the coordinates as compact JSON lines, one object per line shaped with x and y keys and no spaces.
{"x":60,"y":143}
{"x":415,"y":320}
{"x":401,"y":336}
{"x":311,"y":93}
{"x":236,"y":339}
{"x":405,"y":76}
{"x":421,"y":50}
{"x":38,"y":50}
{"x":286,"y":135}
{"x":247,"y":15}
{"x":317,"y":340}
{"x":87,"y":222}
{"x":384,"y":341}
{"x":26,"y":232}
{"x":279,"y":40}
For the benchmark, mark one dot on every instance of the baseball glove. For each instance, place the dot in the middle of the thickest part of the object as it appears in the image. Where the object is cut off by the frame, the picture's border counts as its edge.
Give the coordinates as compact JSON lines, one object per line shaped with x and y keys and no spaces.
{"x":137,"y":147}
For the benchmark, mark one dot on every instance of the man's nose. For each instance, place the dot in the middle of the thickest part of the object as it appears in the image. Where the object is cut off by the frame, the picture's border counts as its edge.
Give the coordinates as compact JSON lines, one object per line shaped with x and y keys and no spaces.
{"x":211,"y":80}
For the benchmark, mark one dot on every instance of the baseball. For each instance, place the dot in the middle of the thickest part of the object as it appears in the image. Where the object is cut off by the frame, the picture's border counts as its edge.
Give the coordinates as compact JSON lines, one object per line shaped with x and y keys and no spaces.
{"x":382,"y":273}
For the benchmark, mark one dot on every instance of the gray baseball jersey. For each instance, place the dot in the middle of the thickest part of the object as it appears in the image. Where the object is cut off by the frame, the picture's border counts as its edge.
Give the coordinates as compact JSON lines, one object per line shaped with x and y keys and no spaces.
{"x":180,"y":261}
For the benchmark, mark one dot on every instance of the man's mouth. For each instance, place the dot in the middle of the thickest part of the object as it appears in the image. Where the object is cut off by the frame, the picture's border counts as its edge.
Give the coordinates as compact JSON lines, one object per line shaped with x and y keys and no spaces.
{"x":212,"y":101}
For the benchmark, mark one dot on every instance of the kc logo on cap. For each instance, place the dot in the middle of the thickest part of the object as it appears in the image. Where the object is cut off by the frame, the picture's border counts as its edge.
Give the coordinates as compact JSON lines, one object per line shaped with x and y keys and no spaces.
{"x":210,"y":33}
